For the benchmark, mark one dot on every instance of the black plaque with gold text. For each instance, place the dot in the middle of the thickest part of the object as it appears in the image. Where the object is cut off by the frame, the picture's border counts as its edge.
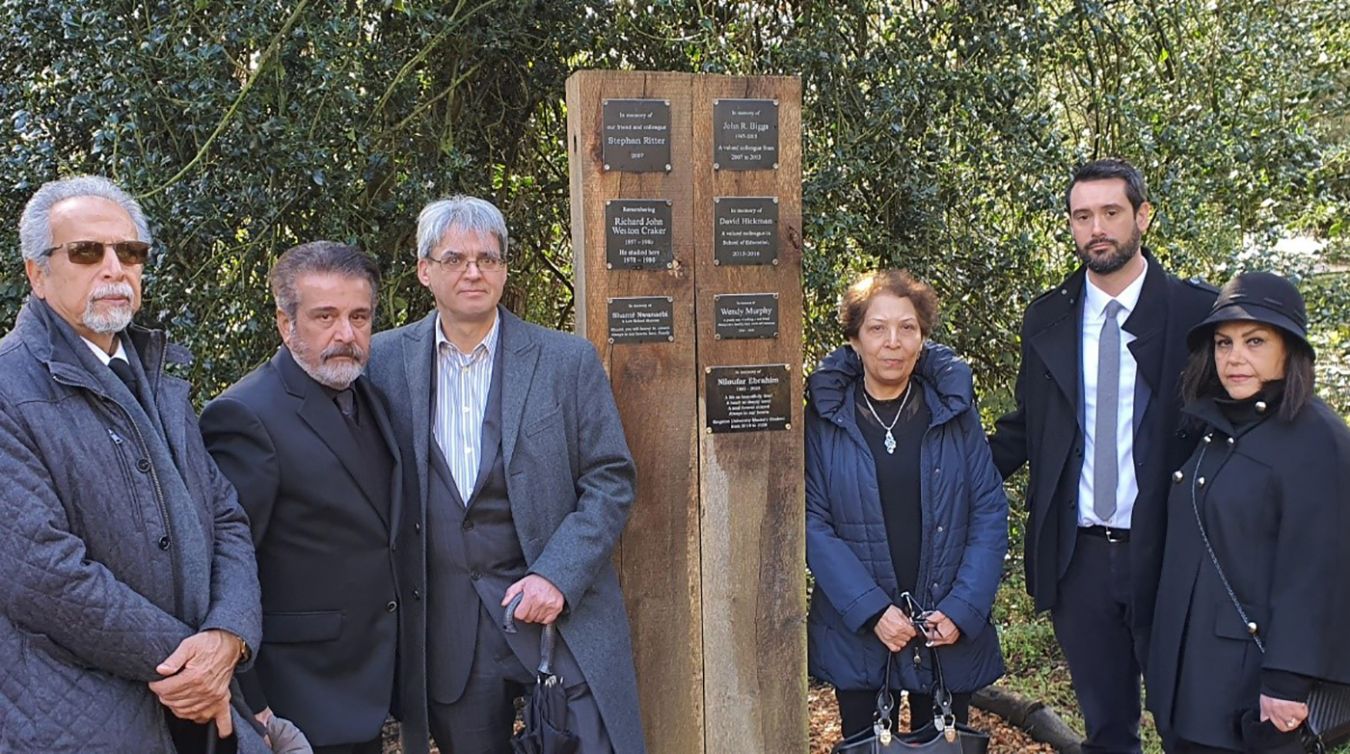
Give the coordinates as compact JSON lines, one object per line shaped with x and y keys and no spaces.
{"x":745,"y":230}
{"x":745,"y":134}
{"x":637,"y":234}
{"x":745,"y":315}
{"x":748,"y":398}
{"x":636,"y":135}
{"x":641,"y":319}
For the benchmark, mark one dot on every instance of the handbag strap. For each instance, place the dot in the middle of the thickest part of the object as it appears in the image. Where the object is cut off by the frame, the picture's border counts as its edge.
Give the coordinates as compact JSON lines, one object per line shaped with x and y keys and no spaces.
{"x":1252,"y":628}
{"x":943,"y":717}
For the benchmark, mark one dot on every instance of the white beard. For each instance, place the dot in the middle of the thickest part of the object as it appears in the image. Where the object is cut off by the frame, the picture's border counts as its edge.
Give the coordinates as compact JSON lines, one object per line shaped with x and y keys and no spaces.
{"x":108,"y":319}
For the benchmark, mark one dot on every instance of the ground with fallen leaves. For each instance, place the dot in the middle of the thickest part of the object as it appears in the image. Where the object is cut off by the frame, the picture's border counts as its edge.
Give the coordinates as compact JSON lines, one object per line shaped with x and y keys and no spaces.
{"x":1003,"y":738}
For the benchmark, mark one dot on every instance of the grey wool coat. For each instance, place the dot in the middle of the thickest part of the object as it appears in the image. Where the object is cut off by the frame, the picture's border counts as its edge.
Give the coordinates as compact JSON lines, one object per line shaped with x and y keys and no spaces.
{"x":570,"y":481}
{"x":120,"y":539}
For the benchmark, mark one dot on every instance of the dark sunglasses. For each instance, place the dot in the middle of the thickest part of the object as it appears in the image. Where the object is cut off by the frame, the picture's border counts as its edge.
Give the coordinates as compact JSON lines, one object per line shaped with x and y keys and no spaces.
{"x":91,"y":252}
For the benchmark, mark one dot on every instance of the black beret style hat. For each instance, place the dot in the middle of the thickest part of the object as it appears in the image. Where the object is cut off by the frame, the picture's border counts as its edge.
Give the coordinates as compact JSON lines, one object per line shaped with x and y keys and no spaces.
{"x":1256,"y":297}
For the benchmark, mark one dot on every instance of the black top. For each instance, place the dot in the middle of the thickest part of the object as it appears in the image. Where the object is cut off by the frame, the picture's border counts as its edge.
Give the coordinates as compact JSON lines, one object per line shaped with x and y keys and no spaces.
{"x":898,"y":478}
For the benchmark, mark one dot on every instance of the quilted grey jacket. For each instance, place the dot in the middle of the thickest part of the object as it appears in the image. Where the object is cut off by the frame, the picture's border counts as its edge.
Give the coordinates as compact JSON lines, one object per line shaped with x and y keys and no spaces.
{"x":119,"y":539}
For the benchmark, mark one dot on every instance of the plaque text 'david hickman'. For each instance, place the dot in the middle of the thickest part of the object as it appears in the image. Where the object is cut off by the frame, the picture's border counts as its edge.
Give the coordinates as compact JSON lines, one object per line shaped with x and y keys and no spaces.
{"x":745,"y":230}
{"x":748,"y":398}
{"x":635,"y":135}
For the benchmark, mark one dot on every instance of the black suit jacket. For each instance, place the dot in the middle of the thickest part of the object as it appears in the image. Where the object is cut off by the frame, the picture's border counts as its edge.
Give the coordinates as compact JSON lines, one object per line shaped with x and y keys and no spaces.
{"x":1046,"y":428}
{"x":324,"y":529}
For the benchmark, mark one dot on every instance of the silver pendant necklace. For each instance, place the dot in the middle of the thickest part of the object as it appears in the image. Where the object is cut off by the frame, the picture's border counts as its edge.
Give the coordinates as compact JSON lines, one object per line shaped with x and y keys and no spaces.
{"x":890,"y":438}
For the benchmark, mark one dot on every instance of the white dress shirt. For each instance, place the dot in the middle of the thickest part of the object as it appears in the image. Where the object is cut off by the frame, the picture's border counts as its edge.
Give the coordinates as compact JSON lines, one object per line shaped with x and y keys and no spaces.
{"x":462,"y":384}
{"x":1127,"y":484}
{"x":120,"y":353}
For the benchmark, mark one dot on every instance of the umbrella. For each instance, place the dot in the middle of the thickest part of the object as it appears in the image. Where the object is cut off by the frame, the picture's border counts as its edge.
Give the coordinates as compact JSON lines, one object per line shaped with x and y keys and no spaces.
{"x":546,"y":711}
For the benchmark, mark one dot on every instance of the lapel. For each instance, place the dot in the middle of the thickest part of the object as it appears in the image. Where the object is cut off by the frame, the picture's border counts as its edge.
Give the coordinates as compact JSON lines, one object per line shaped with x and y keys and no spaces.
{"x":1148,"y":324}
{"x":419,"y":345}
{"x":317,"y":411}
{"x":372,"y":400}
{"x":520,"y":352}
{"x":1058,"y":343}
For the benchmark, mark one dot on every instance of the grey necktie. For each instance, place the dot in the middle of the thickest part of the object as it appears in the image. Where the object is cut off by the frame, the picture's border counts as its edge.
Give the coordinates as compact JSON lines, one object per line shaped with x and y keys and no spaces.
{"x":1104,"y":471}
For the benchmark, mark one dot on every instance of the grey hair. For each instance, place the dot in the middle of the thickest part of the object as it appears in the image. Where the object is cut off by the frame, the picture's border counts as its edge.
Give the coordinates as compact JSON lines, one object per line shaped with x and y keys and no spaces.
{"x":467,"y":213}
{"x":320,"y":257}
{"x":35,"y":225}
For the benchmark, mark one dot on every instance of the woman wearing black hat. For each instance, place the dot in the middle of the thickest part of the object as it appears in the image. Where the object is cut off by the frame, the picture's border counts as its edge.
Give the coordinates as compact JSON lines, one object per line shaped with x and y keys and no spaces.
{"x":1252,"y":605}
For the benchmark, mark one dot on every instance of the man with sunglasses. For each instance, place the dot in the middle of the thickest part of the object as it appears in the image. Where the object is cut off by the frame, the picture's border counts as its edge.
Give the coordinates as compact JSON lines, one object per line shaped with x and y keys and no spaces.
{"x":128,"y":594}
{"x":514,"y":446}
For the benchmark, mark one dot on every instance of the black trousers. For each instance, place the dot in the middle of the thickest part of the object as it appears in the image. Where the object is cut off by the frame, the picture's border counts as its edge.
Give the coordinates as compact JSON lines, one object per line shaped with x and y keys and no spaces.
{"x":481,"y":721}
{"x":374,"y":746}
{"x":857,"y":710}
{"x":1093,"y":621}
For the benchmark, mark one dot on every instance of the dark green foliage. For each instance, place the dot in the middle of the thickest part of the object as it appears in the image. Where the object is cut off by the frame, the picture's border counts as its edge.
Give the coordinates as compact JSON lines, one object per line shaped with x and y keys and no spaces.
{"x":937,"y":136}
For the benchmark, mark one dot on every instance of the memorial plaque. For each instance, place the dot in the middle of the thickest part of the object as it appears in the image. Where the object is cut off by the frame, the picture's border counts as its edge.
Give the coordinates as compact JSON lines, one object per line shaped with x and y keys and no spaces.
{"x":748,"y":398}
{"x":636,"y":135}
{"x":745,"y":134}
{"x":745,"y":230}
{"x":641,"y":319}
{"x":745,"y":315}
{"x":637,"y":234}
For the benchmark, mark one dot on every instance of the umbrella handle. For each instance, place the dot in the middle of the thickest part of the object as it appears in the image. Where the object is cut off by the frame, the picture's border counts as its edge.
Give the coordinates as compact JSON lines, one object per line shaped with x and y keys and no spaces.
{"x":211,"y":735}
{"x":546,"y":641}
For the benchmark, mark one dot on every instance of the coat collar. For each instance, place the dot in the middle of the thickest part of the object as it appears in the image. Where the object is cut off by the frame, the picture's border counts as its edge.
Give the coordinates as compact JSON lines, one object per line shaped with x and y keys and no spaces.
{"x":316,"y":410}
{"x":946,"y":380}
{"x":52,"y":341}
{"x":520,"y":351}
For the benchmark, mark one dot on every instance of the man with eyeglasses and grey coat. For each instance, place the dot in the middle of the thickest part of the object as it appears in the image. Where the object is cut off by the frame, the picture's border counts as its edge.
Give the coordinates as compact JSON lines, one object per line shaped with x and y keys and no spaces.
{"x":513,"y":442}
{"x":128,"y":591}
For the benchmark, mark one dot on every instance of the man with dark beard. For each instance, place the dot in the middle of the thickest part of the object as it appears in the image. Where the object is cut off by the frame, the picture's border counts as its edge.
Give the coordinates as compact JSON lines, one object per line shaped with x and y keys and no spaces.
{"x":1097,"y":420}
{"x":307,"y":443}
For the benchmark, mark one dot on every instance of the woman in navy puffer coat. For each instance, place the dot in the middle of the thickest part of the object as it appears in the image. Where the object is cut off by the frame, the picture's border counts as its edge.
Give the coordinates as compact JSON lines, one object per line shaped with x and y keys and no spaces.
{"x":901,"y":496}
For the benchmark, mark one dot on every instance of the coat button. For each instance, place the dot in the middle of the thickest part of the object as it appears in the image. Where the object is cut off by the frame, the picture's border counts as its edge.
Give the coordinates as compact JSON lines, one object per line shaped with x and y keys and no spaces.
{"x":1178,"y":476}
{"x":417,"y":527}
{"x":1261,"y":407}
{"x":1200,"y":481}
{"x":939,"y":530}
{"x":475,"y":575}
{"x":467,"y":525}
{"x":143,"y":466}
{"x":1207,"y":439}
{"x":1181,"y":434}
{"x":1231,"y":442}
{"x":417,"y":595}
{"x":391,"y":606}
{"x":164,"y":542}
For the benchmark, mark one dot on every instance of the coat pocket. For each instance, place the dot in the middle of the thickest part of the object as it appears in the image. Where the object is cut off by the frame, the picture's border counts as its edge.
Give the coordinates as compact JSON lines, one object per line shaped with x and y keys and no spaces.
{"x":1229,"y":625}
{"x":296,"y":628}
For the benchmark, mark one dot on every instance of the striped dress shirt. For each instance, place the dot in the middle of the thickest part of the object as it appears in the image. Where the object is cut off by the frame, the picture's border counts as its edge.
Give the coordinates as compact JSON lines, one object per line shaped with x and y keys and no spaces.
{"x":462,"y":383}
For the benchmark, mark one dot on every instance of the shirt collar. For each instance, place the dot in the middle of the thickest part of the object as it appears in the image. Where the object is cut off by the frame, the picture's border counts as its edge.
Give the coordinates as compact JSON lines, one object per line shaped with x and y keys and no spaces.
{"x":120,"y":353}
{"x":1095,"y":303}
{"x":488,"y":344}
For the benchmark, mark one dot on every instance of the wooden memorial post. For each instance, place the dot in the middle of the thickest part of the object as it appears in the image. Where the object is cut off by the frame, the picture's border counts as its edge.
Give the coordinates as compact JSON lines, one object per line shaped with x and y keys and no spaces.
{"x":686,"y":227}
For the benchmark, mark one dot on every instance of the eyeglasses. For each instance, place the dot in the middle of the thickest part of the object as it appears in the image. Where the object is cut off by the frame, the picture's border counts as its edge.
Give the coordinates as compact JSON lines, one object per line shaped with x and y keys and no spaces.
{"x":456,"y":261}
{"x":91,"y":252}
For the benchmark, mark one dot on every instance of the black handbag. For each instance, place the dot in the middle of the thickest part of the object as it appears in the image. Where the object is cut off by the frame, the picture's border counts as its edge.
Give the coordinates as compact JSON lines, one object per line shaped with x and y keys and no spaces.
{"x":941,"y":736}
{"x":1328,"y":723}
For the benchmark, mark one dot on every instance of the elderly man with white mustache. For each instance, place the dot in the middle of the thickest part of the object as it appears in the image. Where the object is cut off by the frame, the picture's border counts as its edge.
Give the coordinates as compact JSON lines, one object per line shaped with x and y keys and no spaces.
{"x":128,"y":594}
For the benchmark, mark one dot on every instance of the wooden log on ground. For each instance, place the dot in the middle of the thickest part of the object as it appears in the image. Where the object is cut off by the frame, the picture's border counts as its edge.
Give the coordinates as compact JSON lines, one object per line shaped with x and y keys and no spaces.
{"x":1032,"y":716}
